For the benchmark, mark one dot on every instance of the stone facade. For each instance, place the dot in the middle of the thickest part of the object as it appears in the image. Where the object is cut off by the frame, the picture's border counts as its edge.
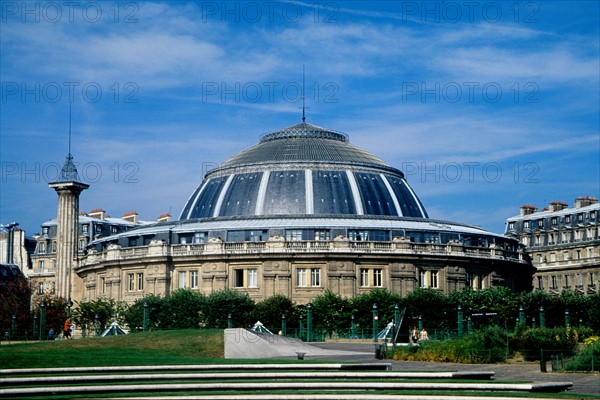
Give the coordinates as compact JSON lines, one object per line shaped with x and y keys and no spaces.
{"x":563,"y":244}
{"x":299,"y":270}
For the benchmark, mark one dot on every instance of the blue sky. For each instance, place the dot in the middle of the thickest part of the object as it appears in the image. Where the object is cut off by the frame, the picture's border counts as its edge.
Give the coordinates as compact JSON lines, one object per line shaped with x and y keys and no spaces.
{"x":484,"y":105}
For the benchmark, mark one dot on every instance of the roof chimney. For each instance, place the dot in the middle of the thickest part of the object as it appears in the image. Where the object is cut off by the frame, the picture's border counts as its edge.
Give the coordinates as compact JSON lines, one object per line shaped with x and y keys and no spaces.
{"x":97,"y":214}
{"x":527,"y":209}
{"x":164,"y":218}
{"x":557,"y":206}
{"x":131,"y":216}
{"x":584,"y":201}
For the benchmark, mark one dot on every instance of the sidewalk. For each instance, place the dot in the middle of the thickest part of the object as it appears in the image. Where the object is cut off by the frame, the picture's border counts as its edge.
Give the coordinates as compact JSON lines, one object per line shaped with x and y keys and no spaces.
{"x":583,"y":383}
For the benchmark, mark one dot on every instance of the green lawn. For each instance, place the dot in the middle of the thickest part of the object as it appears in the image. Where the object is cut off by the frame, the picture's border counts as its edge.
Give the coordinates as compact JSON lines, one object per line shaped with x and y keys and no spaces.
{"x":150,"y":348}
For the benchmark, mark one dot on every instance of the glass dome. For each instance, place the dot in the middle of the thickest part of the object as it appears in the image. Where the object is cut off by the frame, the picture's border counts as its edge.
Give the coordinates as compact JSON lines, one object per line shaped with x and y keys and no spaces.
{"x":303,"y":170}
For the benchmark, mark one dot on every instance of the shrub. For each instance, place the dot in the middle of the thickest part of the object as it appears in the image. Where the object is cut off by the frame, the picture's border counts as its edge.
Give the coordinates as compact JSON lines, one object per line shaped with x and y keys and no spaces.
{"x":588,"y":359}
{"x":551,"y":341}
{"x":486,"y":346}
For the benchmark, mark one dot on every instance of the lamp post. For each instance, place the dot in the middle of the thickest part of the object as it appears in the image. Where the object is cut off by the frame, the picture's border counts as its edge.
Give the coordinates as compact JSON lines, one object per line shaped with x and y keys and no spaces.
{"x":533,"y":322}
{"x":35,"y":326}
{"x":229,"y":321}
{"x":567,"y":318}
{"x":469,"y":325}
{"x":69,"y":305}
{"x":521,"y":316}
{"x":283,"y":325}
{"x":375,"y":320}
{"x":420,"y":319}
{"x":542,"y":317}
{"x":352,"y":327}
{"x":13,"y":328}
{"x":145,"y":316}
{"x":460,"y":320}
{"x":396,"y":323}
{"x":42,"y":319}
{"x":309,"y":322}
{"x":97,"y":321}
{"x":301,"y":333}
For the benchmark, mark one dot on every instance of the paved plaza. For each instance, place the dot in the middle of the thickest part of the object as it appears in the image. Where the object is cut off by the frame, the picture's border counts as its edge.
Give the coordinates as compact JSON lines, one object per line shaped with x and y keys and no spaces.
{"x":583,"y":383}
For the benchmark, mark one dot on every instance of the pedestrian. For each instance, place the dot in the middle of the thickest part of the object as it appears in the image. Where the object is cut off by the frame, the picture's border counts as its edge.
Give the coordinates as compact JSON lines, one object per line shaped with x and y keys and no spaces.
{"x":67,"y":329}
{"x":414,"y":334}
{"x":423,"y":335}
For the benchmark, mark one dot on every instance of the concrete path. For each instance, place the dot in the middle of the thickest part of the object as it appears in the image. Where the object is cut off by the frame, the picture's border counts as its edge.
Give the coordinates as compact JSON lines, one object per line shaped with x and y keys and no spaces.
{"x":583,"y":383}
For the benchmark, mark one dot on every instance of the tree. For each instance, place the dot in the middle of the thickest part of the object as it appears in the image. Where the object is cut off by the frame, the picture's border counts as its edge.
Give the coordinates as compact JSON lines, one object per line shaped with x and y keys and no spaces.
{"x":331,"y":312}
{"x":362,"y":307}
{"x":432,"y":306}
{"x":102,"y":310}
{"x":270,"y":310}
{"x":221,"y":303}
{"x":182,"y":310}
{"x":134,"y":316}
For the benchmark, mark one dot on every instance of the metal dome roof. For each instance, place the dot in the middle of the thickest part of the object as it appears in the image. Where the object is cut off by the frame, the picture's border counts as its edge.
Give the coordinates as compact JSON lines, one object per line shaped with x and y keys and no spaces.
{"x":303,"y":170}
{"x":303,"y":142}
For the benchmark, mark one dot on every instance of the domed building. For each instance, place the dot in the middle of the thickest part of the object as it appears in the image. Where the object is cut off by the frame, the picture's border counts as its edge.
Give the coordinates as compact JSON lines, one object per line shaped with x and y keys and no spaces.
{"x":302,"y":211}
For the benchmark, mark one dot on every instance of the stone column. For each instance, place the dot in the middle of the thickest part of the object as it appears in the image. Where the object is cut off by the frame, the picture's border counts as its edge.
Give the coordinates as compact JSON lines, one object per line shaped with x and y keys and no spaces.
{"x":66,"y":233}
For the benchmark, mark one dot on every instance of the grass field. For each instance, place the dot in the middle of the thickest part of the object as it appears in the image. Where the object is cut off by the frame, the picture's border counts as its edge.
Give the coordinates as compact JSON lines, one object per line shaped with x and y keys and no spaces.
{"x":168,"y":347}
{"x":149,"y":348}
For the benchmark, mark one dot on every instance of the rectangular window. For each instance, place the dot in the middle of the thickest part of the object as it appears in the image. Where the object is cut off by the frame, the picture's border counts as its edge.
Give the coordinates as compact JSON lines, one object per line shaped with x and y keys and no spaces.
{"x":131,"y":282}
{"x":85,"y":228}
{"x":140,"y":281}
{"x":433,"y":279}
{"x":552,"y":257}
{"x":540,"y":223}
{"x":423,"y":279}
{"x":200,"y":237}
{"x":102,"y":285}
{"x":81,"y":244}
{"x":182,"y":282}
{"x":591,"y":275}
{"x":42,"y":248}
{"x":578,"y":254}
{"x":293,"y":235}
{"x":239,"y":278}
{"x":194,"y":279}
{"x":591,"y":252}
{"x":252,"y":278}
{"x":540,"y":282}
{"x":301,"y":277}
{"x":566,"y":281}
{"x":511,"y":226}
{"x":41,"y":288}
{"x":567,"y":219}
{"x":113,"y":230}
{"x":41,"y":264}
{"x":526,"y":224}
{"x":553,"y":282}
{"x":315,"y":277}
{"x":321,"y":234}
{"x":364,"y":277}
{"x":554,"y":221}
{"x":377,"y":277}
{"x":580,"y":218}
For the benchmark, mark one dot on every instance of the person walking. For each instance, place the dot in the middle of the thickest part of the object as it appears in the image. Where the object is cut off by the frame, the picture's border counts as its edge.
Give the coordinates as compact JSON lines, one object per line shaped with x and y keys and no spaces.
{"x":67,"y":329}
